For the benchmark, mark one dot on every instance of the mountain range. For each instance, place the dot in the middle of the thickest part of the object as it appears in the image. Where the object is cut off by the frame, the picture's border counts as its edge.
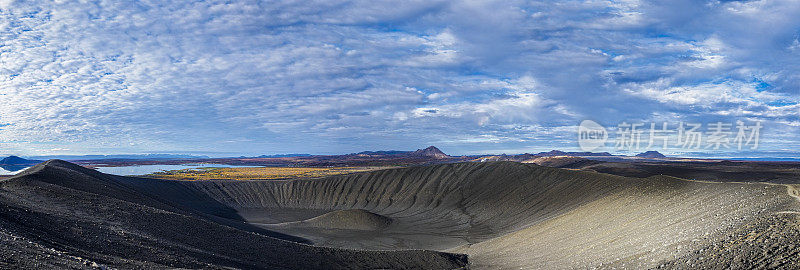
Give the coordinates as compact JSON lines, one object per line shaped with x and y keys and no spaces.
{"x":15,"y":160}
{"x":132,"y":156}
{"x":429,"y":152}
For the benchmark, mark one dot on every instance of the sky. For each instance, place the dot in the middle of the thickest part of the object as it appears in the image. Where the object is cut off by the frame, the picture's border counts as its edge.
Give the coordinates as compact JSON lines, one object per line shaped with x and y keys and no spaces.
{"x":263,"y":77}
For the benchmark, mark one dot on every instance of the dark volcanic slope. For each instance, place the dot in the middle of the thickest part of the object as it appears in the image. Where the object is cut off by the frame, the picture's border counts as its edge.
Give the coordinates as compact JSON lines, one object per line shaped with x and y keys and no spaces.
{"x":62,"y":215}
{"x":723,"y":171}
{"x":446,"y":205}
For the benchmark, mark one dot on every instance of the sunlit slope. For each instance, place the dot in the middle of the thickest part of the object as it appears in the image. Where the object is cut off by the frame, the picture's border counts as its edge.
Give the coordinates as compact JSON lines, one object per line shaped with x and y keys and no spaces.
{"x":658,"y":219}
{"x":537,"y":216}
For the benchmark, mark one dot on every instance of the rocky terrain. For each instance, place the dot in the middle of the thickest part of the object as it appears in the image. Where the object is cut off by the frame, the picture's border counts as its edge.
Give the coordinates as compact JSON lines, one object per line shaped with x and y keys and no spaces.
{"x":60,"y":215}
{"x":487,"y":215}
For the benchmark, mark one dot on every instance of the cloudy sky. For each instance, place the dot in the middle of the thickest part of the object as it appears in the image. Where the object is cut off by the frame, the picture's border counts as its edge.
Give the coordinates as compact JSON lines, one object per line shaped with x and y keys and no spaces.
{"x":253,"y":77}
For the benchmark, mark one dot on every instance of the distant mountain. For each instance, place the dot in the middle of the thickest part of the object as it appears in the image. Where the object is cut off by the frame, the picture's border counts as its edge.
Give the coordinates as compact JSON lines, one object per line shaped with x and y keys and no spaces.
{"x":284,"y":155}
{"x":590,"y":154}
{"x":554,"y":153}
{"x":381,"y":153}
{"x":651,"y":154}
{"x":431,"y":151}
{"x":15,"y":160}
{"x":137,"y":157}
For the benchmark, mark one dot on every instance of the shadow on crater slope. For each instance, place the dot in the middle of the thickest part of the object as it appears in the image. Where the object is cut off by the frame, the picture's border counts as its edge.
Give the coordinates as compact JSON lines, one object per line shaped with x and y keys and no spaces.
{"x":58,"y":215}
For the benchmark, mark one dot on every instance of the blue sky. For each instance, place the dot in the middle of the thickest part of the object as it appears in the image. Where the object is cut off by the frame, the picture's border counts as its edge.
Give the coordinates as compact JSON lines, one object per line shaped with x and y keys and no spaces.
{"x":252,"y":77}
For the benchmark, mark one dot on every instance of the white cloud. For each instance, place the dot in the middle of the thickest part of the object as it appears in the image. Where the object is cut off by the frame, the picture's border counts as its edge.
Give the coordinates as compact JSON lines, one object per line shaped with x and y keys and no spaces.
{"x":330,"y":76}
{"x":521,"y":105}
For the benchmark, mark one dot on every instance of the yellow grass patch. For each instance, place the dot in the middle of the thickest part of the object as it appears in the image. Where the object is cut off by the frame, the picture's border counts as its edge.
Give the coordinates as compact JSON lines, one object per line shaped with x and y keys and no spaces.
{"x":257,"y":173}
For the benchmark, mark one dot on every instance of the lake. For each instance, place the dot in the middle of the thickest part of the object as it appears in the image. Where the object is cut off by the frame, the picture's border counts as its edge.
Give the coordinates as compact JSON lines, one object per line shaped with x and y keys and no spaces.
{"x":12,"y":169}
{"x":129,"y":170}
{"x":148,"y":169}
